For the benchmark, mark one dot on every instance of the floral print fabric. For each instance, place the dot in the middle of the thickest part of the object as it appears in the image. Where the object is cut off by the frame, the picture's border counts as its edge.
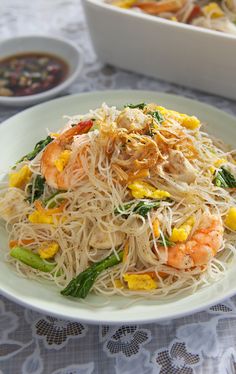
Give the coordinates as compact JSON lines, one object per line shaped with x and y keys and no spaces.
{"x":33,"y":343}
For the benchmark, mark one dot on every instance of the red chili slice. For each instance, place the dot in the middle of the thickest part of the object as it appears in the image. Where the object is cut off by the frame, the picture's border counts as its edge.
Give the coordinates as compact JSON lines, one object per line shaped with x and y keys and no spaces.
{"x":195,"y":13}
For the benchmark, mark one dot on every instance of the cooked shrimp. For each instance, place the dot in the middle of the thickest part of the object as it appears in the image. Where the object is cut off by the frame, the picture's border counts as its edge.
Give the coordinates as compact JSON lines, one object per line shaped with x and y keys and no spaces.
{"x":201,"y":247}
{"x":61,"y":179}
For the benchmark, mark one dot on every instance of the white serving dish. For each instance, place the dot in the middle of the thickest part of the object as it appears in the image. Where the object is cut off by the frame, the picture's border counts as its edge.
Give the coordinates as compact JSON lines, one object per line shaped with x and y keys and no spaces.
{"x":183,"y":54}
{"x":20,"y":133}
{"x":62,"y":48}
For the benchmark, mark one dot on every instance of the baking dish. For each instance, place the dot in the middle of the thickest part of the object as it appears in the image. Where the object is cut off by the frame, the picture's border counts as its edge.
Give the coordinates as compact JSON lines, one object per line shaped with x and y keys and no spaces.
{"x":184,"y":54}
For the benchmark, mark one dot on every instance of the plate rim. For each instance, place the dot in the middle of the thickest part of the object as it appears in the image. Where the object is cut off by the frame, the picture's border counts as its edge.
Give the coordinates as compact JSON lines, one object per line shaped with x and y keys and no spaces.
{"x":112,"y":321}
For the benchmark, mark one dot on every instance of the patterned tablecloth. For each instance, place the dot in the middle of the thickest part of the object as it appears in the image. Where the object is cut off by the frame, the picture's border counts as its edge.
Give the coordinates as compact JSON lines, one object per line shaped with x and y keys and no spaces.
{"x":32,"y":343}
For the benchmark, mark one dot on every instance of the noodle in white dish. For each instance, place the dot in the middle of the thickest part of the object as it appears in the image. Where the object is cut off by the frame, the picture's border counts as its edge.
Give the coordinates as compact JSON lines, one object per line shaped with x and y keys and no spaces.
{"x":214,"y":15}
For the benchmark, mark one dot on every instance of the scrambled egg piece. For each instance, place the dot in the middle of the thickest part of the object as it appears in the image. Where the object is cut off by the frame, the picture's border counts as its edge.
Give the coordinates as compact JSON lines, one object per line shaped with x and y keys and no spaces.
{"x":42,"y":215}
{"x":20,"y":178}
{"x":212,"y":169}
{"x":54,"y":135}
{"x":39,"y":217}
{"x":140,"y":282}
{"x":62,"y":160}
{"x":217,"y":164}
{"x":141,"y":190}
{"x":156,"y":228}
{"x":230,"y":219}
{"x":181,"y":234}
{"x":213,"y":10}
{"x":49,"y":250}
{"x":124,"y":3}
{"x":190,"y":122}
{"x":118,"y":283}
{"x":220,"y":162}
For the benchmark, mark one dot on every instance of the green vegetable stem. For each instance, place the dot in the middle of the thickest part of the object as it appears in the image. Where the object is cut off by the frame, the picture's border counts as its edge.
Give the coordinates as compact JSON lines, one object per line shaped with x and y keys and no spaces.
{"x":164,"y":241}
{"x":38,"y":148}
{"x":224,"y":179}
{"x":52,"y":202}
{"x":142,"y":207}
{"x":157,"y":116}
{"x":82,"y":284}
{"x":29,"y":258}
{"x":36,"y":189}
{"x":133,"y":106}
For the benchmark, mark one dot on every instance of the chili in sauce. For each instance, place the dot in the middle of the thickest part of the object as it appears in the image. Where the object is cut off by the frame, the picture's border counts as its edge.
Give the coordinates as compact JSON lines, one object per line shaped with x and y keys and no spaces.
{"x":30,"y":73}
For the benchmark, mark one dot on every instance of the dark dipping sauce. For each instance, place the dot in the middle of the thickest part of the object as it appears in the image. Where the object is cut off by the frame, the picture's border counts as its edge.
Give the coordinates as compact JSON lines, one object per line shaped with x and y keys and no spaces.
{"x":31,"y":73}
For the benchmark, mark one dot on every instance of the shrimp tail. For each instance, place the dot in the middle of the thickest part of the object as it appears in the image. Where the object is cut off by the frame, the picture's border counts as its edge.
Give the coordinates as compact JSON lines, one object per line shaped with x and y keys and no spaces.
{"x":80,"y":128}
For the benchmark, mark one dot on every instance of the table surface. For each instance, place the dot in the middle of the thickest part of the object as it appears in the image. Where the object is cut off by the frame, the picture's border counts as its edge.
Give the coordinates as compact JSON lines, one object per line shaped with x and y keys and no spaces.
{"x":32,"y":343}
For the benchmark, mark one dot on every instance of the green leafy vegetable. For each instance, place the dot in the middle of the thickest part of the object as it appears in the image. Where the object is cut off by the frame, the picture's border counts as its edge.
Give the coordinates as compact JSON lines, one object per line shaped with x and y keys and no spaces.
{"x":157,"y":116}
{"x":29,"y":258}
{"x":36,"y":189}
{"x":82,"y":284}
{"x":165,"y":241}
{"x":224,"y":179}
{"x":122,"y":209}
{"x":145,"y":206}
{"x":51,"y":201}
{"x":133,"y":106}
{"x":142,"y":207}
{"x":38,"y":148}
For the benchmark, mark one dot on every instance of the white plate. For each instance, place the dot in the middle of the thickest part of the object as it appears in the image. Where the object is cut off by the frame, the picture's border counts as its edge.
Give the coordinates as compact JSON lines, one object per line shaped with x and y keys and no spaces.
{"x":19,"y":134}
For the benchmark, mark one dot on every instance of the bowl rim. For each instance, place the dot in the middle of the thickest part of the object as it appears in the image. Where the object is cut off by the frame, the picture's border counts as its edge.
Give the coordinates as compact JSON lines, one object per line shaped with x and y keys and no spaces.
{"x":28,"y":99}
{"x":173,"y":24}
